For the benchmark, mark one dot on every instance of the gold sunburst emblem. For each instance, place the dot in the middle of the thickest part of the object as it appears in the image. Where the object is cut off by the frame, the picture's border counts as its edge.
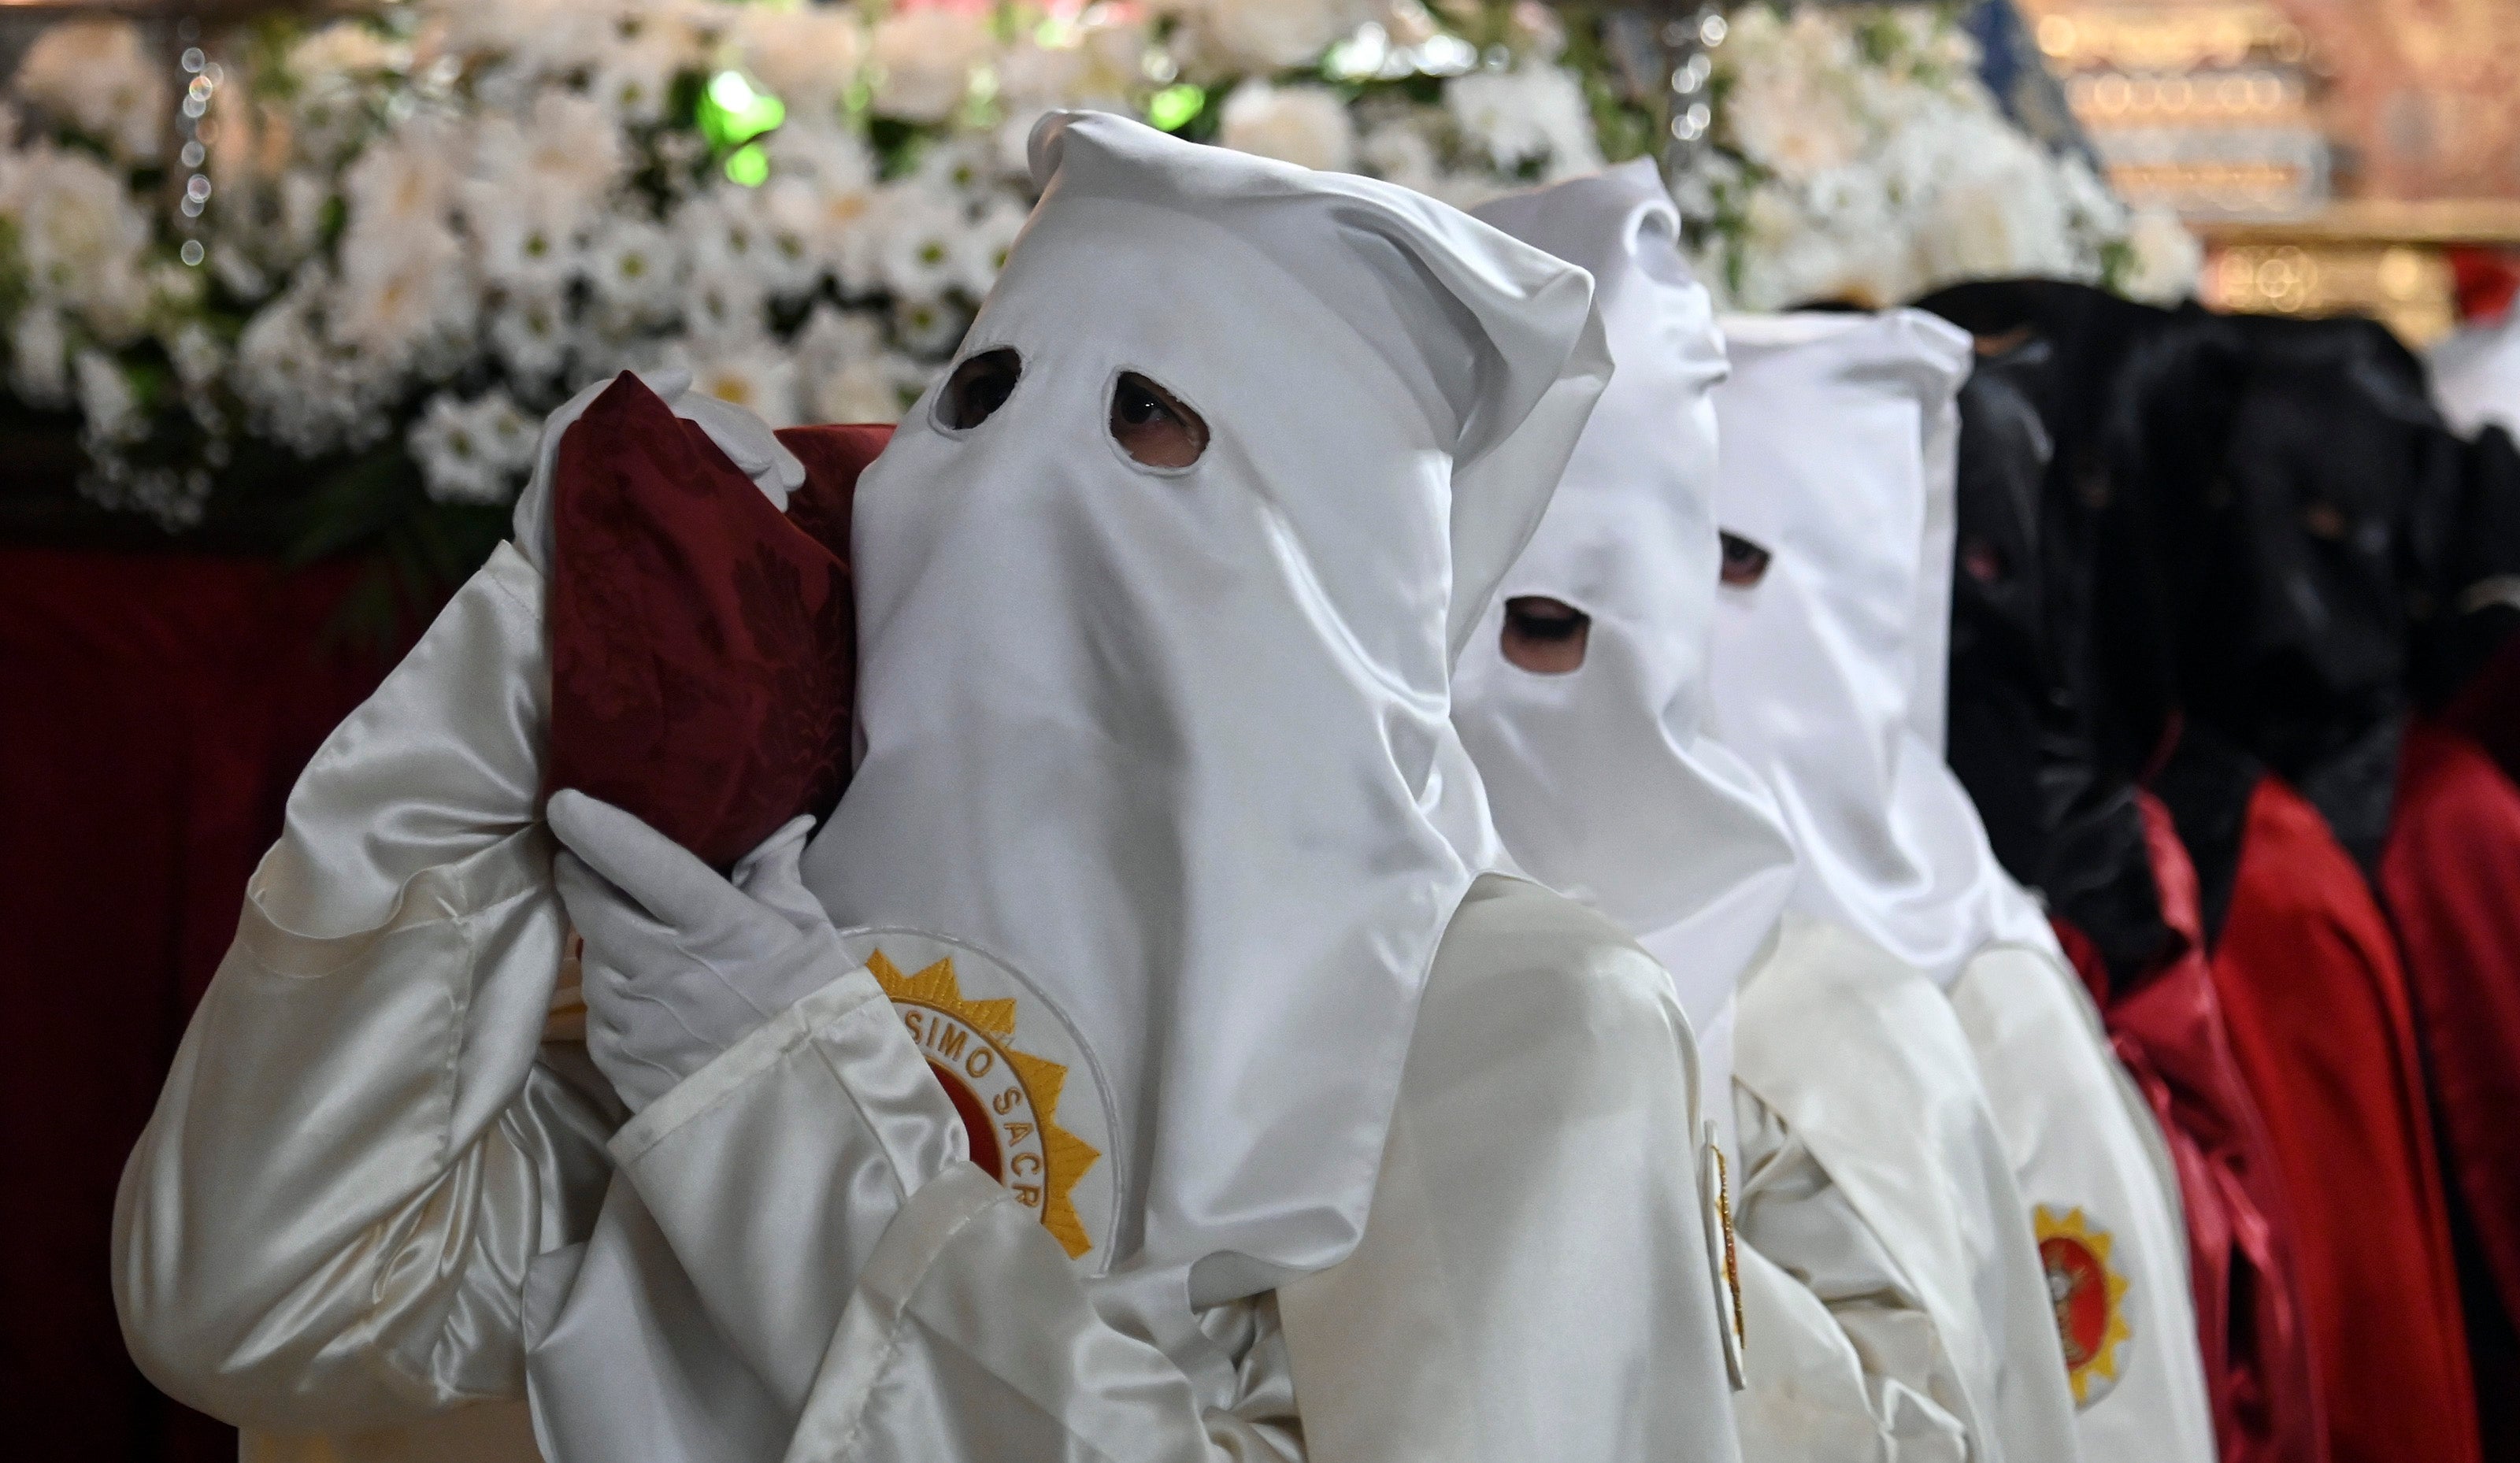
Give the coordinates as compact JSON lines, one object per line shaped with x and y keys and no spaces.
{"x":1008,"y":1100}
{"x":2089,"y":1300}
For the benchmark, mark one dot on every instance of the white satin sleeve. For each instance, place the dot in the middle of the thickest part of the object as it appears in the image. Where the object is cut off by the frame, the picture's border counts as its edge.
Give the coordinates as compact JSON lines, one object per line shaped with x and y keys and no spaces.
{"x":1842,"y":1359}
{"x":362,"y":1144}
{"x":896,"y":1299}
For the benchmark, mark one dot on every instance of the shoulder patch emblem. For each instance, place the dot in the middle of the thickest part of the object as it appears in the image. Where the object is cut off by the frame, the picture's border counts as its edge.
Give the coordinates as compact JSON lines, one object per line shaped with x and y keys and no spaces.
{"x":2089,"y":1299}
{"x":1018,"y":1078}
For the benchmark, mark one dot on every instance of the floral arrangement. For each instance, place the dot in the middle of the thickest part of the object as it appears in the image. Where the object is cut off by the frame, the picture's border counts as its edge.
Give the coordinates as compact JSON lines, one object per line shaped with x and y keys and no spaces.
{"x":388,"y":244}
{"x":1856,"y":157}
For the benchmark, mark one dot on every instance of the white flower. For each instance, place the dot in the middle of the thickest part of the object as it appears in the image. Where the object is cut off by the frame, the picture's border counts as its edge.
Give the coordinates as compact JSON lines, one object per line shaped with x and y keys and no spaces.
{"x":807,"y":57}
{"x":735,"y":230}
{"x":823,"y":189}
{"x":1266,"y":35}
{"x":303,"y":394}
{"x":1531,"y":116}
{"x":869,"y":388}
{"x":98,"y":78}
{"x":108,"y":409}
{"x":1399,"y":152}
{"x":634,"y":81}
{"x":39,"y":349}
{"x":471,"y":452}
{"x":981,"y":250}
{"x":752,"y":373}
{"x":343,"y":50}
{"x":529,"y":332}
{"x":1305,"y":126}
{"x":965,"y":167}
{"x":918,"y":231}
{"x":566,"y":153}
{"x":930,"y":328}
{"x":724,"y":304}
{"x":198,"y":356}
{"x":1101,"y":64}
{"x":404,"y":300}
{"x":80,"y":236}
{"x":524,"y":240}
{"x":404,"y":180}
{"x":634,"y":269}
{"x":2166,"y":257}
{"x":923,"y":60}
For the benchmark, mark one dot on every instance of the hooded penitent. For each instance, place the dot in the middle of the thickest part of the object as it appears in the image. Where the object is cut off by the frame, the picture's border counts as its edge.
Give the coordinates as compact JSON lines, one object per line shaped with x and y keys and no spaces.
{"x":1166,"y":751}
{"x":1828,"y":672}
{"x":1604,"y":780}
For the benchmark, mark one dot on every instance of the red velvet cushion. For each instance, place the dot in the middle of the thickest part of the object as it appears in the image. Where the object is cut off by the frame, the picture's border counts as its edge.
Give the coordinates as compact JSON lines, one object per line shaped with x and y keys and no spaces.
{"x":704,"y":644}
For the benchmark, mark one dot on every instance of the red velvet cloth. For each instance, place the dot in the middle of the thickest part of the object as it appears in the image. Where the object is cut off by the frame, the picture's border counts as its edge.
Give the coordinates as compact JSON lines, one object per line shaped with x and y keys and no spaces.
{"x":2316,"y":1001}
{"x":704,"y":644}
{"x":155,"y":710}
{"x":2451,"y":875}
{"x":2168,"y":1028}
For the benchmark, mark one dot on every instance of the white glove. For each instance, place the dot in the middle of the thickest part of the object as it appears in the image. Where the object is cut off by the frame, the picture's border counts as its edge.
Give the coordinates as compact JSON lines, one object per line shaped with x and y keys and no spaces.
{"x":681,"y":964}
{"x":747,"y":441}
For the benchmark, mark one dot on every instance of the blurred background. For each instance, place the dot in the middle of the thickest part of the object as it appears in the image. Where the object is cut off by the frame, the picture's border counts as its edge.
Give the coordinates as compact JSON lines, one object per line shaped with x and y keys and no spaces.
{"x":286,"y":289}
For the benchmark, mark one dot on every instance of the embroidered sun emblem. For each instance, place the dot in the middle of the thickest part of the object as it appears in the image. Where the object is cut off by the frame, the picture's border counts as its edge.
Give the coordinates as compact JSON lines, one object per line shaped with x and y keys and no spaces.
{"x":1008,"y":1100}
{"x":2089,"y":1299}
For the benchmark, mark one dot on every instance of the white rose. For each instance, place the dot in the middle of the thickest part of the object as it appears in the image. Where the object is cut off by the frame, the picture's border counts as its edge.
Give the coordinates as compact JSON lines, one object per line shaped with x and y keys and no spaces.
{"x":923,"y":60}
{"x":1305,"y":126}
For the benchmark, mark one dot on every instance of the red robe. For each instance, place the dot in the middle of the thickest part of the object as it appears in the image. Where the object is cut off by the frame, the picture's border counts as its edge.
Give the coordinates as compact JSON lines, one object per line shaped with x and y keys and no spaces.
{"x":2168,"y":1028}
{"x":2451,"y":875}
{"x":2317,"y":1005}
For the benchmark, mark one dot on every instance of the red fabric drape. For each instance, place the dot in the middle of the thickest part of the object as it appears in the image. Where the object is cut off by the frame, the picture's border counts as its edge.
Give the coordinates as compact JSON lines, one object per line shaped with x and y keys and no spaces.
{"x":2168,"y":1028}
{"x":2451,"y":875}
{"x":154,"y":711}
{"x":2316,"y":1001}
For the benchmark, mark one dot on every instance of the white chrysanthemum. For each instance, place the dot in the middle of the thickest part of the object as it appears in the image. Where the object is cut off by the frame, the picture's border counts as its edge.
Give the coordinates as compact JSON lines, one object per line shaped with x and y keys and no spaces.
{"x":1102,"y":65}
{"x":200,"y":356}
{"x":469,"y":29}
{"x":525,"y":240}
{"x":965,"y":167}
{"x":1265,"y":35}
{"x":566,"y":153}
{"x":919,"y":232}
{"x":407,"y":179}
{"x":343,"y":53}
{"x":634,"y":269}
{"x":1533,"y":115}
{"x":108,"y":409}
{"x":404,"y":301}
{"x":1793,"y":107}
{"x":1305,"y":126}
{"x":831,"y":337}
{"x":98,"y":78}
{"x":301,"y":393}
{"x":529,"y":332}
{"x":634,"y":81}
{"x":468,"y":452}
{"x":1398,"y":150}
{"x":982,"y":250}
{"x":823,"y":187}
{"x":736,"y":231}
{"x":39,"y":348}
{"x":81,"y":237}
{"x":2166,"y":258}
{"x":753,"y":372}
{"x":867,"y":388}
{"x":930,"y":328}
{"x":923,"y":60}
{"x":807,"y":57}
{"x":724,"y":304}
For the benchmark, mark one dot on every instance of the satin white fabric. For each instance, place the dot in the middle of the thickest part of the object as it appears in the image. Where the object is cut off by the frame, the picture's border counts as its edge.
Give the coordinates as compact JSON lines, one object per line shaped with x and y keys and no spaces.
{"x":1833,"y":427}
{"x":1830,"y":677}
{"x":1898,"y":1211}
{"x":1602,"y":781}
{"x":1173,"y":744}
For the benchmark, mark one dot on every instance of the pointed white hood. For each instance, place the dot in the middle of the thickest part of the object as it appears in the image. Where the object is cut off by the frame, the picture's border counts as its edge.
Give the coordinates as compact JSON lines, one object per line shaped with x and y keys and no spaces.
{"x":1839,"y":442}
{"x":1604,"y":779}
{"x":1172,"y":746}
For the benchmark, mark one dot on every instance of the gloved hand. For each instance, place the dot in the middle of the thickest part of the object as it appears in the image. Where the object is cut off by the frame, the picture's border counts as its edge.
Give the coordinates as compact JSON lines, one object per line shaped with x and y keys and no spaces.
{"x":747,"y":441}
{"x":680,"y":963}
